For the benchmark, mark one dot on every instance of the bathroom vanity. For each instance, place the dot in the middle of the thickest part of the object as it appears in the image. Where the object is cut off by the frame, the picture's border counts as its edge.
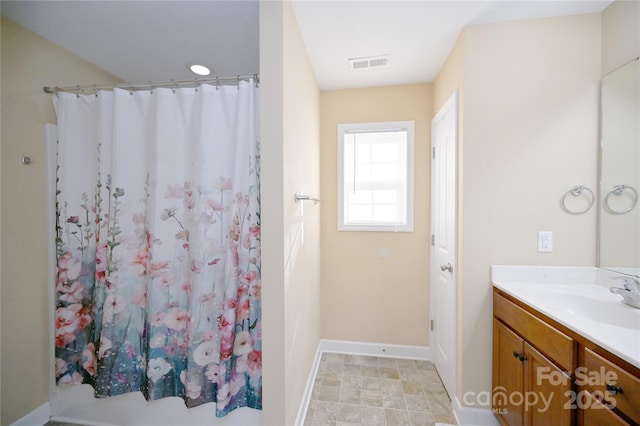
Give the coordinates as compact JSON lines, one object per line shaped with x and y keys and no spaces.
{"x":565,"y":349}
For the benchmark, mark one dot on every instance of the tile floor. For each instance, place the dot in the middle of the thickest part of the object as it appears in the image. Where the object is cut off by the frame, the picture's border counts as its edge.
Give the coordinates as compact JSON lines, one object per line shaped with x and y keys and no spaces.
{"x":365,"y":390}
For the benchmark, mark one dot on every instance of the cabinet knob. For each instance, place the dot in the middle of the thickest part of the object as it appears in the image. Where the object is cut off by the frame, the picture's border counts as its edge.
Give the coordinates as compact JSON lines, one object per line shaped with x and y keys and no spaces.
{"x":520,"y":356}
{"x":614,"y":390}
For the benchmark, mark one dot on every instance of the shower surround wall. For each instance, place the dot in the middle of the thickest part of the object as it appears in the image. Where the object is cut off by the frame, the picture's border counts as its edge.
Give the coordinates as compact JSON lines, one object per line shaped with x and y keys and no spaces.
{"x":28,"y":63}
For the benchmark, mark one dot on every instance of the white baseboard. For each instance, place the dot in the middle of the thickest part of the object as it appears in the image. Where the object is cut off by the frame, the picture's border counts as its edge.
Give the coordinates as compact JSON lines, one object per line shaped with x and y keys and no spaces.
{"x":375,"y":349}
{"x":306,"y":397}
{"x":37,"y":417}
{"x":470,"y":416}
{"x":356,"y":348}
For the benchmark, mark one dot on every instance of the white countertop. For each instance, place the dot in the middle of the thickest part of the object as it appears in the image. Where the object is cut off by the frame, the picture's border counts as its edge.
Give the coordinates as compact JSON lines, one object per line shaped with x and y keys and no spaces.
{"x":578,"y":298}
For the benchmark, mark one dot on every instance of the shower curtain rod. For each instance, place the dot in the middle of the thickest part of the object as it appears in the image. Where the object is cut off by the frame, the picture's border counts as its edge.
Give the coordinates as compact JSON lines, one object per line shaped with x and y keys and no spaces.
{"x":173,"y":84}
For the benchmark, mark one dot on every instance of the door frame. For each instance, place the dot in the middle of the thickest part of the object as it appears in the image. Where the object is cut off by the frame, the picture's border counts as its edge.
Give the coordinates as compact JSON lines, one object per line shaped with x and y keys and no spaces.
{"x":453,"y":104}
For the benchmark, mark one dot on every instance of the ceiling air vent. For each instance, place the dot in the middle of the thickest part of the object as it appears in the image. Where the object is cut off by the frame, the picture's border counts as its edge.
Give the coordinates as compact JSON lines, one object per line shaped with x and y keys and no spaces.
{"x":370,"y":62}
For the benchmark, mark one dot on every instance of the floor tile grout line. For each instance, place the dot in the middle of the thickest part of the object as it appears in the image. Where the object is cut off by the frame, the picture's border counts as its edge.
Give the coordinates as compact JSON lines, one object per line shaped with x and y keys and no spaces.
{"x":399,"y":371}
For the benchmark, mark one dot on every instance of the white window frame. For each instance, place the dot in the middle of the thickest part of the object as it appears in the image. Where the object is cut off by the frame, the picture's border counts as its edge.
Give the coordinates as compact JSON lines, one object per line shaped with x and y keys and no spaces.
{"x":407,"y":224}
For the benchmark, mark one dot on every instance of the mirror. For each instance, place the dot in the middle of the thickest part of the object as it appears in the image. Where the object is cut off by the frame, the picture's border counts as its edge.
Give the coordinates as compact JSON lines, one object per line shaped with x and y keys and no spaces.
{"x":619,"y":210}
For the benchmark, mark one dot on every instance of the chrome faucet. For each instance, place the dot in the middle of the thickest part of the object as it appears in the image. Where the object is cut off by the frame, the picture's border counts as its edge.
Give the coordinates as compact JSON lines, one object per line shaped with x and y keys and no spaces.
{"x":630,"y":291}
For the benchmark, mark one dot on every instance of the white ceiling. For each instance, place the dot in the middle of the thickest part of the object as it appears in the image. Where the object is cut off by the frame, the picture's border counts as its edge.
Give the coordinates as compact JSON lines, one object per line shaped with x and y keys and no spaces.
{"x":418,"y":35}
{"x":141,"y":41}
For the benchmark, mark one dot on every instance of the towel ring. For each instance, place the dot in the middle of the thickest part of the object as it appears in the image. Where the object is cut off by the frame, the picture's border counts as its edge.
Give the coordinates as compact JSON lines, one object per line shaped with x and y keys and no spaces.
{"x":618,"y":190}
{"x":577,"y":191}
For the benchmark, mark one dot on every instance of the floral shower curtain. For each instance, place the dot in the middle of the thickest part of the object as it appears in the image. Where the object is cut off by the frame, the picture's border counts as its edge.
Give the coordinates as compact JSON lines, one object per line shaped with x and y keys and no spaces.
{"x":158,"y":244}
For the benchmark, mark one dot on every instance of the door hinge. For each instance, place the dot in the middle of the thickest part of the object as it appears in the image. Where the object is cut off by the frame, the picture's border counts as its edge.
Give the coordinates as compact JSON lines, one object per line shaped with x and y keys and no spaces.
{"x":433,"y":239}
{"x":431,"y":325}
{"x":433,"y":152}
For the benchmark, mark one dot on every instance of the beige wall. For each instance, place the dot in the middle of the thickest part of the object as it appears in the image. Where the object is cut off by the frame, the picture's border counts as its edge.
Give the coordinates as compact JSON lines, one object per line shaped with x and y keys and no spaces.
{"x":449,"y":80}
{"x":291,"y":239}
{"x":620,"y":34}
{"x":530,"y":132}
{"x":272,"y":210}
{"x":302,"y":220}
{"x":367,"y":298}
{"x":29,"y":62}
{"x":450,"y":77}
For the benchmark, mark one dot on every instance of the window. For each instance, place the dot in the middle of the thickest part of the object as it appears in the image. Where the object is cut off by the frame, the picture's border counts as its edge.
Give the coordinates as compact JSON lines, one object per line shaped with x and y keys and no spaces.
{"x":375,"y":176}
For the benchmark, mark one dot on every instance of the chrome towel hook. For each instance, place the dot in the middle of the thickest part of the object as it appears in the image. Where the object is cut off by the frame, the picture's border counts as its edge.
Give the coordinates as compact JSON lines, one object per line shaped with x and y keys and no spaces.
{"x":618,"y":191}
{"x":577,"y":191}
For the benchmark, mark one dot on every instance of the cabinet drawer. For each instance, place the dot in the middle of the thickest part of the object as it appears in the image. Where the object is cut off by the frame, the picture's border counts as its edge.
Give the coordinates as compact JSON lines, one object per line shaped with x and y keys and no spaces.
{"x":598,"y":370}
{"x":597,"y":414}
{"x":556,"y":345}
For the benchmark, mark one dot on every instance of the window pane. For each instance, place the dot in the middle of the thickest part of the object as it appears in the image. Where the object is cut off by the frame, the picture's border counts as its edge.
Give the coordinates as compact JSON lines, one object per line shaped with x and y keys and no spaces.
{"x":375,"y":173}
{"x":348,"y":154}
{"x":348,"y":177}
{"x":385,"y":172}
{"x":359,"y":197}
{"x":363,"y":172}
{"x":362,"y":151}
{"x":359,"y":214}
{"x":385,"y":197}
{"x":386,"y":213}
{"x":384,"y":152}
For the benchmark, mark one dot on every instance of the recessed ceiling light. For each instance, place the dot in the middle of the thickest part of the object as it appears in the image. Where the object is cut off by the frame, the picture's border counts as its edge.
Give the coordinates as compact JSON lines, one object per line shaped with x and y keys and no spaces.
{"x":199,"y":69}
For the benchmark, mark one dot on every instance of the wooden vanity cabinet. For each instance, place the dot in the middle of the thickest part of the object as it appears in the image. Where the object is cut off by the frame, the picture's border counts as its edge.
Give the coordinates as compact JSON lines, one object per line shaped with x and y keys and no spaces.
{"x":530,"y":385}
{"x":508,"y":374}
{"x":533,"y":356}
{"x":551,"y":406}
{"x":597,"y":414}
{"x":520,"y":397}
{"x":614,"y":385}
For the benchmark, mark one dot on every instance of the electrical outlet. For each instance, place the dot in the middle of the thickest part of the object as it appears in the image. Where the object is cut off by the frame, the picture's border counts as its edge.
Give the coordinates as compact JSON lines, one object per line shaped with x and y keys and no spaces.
{"x":545,"y":241}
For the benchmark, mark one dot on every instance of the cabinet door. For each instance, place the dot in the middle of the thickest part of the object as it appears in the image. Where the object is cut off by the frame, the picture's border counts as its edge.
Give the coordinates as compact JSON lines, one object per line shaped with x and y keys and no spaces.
{"x":548,"y":397}
{"x":607,"y":373}
{"x":508,"y":380}
{"x":596,"y":414}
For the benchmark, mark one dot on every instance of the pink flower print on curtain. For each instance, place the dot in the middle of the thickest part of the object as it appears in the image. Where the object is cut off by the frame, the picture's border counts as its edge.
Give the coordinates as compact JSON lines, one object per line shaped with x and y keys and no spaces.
{"x":158,"y":245}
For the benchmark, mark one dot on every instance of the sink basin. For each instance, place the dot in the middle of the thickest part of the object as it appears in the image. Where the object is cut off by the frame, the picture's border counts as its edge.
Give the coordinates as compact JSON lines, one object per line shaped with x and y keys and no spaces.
{"x":601,"y":309}
{"x":579,"y":299}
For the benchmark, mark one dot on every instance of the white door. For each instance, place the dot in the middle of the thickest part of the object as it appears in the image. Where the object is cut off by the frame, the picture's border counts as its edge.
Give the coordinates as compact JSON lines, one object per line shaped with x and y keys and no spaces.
{"x":443,"y":288}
